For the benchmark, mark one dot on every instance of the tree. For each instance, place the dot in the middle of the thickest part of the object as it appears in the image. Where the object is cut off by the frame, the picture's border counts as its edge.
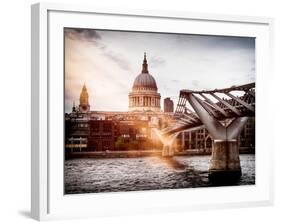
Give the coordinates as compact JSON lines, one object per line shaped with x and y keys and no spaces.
{"x":120,"y":144}
{"x":133,"y":145}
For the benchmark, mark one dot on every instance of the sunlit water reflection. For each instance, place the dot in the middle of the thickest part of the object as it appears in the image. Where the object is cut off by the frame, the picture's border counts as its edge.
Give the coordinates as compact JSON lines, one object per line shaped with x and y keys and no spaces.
{"x":146,"y":173}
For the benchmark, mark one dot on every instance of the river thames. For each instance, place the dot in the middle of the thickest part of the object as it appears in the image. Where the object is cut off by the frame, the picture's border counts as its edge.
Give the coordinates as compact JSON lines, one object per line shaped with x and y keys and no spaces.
{"x":145,"y":173}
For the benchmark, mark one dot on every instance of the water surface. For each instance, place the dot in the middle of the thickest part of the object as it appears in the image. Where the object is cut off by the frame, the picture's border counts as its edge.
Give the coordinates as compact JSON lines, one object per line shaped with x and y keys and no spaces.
{"x":145,"y":173}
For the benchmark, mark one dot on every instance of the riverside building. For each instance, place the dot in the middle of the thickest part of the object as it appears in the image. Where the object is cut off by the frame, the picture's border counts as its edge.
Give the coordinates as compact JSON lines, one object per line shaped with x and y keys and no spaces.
{"x":89,"y":130}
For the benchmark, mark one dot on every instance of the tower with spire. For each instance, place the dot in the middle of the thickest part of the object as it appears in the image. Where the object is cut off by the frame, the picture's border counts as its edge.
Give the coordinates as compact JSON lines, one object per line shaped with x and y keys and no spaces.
{"x":73,"y":107}
{"x":84,"y":105}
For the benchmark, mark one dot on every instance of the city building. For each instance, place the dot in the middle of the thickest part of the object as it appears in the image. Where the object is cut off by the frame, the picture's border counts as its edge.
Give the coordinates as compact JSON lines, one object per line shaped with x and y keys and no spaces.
{"x":200,"y":139}
{"x":76,"y":132}
{"x":168,"y":105}
{"x":247,"y":136}
{"x":136,"y":129}
{"x":102,"y":135}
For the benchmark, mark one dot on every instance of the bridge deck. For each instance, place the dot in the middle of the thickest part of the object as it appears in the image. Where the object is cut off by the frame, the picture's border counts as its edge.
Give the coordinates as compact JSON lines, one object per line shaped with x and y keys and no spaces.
{"x":219,"y":103}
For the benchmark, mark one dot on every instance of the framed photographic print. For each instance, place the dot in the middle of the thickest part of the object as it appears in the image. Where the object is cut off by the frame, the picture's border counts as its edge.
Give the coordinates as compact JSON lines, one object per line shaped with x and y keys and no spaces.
{"x":148,"y":111}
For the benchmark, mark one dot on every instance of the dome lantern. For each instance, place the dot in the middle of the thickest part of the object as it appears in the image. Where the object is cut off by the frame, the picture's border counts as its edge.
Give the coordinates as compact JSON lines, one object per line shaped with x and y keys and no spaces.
{"x":144,"y":65}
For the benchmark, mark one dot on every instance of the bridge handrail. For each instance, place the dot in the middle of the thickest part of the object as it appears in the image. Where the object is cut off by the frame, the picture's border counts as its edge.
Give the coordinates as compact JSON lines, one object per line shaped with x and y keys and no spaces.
{"x":245,"y":87}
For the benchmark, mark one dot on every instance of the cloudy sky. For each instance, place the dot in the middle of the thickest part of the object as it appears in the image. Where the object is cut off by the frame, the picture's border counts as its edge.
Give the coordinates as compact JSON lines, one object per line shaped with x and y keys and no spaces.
{"x":108,"y":62}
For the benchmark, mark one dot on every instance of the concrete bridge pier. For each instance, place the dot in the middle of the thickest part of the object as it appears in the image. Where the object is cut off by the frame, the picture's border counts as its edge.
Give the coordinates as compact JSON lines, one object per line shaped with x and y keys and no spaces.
{"x":168,"y":148}
{"x":225,"y":163}
{"x":168,"y":151}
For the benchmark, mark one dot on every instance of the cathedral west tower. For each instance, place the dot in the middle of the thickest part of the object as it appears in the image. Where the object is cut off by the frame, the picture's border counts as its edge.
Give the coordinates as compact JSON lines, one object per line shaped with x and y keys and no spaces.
{"x":84,"y":106}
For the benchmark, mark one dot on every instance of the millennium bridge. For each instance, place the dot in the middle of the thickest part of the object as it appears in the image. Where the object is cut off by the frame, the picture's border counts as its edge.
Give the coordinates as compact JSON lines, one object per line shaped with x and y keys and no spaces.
{"x":223,"y":112}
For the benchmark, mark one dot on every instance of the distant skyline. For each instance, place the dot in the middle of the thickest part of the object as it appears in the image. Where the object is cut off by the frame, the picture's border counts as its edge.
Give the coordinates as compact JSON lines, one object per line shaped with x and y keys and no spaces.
{"x":109,"y":61}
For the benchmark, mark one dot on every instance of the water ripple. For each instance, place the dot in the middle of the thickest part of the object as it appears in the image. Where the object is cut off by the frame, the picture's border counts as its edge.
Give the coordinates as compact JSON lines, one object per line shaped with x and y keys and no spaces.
{"x":147,"y":173}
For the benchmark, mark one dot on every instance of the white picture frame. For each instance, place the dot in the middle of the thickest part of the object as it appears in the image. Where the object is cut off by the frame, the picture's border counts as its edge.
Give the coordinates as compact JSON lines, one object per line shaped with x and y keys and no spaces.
{"x":47,"y":198}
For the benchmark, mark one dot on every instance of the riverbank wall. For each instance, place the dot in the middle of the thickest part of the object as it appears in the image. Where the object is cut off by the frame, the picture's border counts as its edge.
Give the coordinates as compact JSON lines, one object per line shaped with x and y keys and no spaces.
{"x":143,"y":153}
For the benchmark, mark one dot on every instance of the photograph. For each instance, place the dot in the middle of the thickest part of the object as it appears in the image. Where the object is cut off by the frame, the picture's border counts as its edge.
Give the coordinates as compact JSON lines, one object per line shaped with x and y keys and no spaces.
{"x":157,"y":111}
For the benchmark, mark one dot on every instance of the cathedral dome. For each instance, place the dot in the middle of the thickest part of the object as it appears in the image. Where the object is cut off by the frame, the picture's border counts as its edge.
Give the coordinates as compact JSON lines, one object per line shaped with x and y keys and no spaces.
{"x":144,"y":95}
{"x":145,"y":80}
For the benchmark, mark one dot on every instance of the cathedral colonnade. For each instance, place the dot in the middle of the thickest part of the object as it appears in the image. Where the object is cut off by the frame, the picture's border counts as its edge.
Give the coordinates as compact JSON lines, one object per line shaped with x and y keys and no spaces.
{"x":143,"y":101}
